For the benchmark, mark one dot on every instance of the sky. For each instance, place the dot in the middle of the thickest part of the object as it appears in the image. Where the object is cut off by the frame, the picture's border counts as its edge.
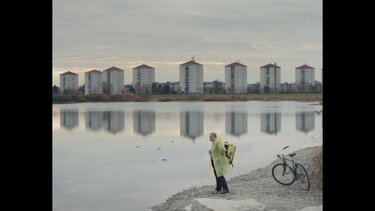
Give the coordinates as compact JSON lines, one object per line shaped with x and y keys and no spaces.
{"x":98,"y":34}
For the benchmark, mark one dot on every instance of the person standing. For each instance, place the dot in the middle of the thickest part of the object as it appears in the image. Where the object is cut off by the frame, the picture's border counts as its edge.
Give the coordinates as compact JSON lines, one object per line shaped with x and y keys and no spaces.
{"x":219,"y":165}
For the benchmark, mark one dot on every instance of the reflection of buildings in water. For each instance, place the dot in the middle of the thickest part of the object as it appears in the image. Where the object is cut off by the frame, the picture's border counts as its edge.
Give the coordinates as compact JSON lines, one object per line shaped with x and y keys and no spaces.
{"x":93,"y":120}
{"x":69,"y":118}
{"x":144,"y":122}
{"x":113,"y":121}
{"x":270,"y":122}
{"x":305,"y":121}
{"x":191,"y":124}
{"x":236,"y":123}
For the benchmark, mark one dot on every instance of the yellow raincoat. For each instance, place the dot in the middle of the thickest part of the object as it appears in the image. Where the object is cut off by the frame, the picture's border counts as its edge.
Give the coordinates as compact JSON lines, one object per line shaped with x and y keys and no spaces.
{"x":221,"y":162}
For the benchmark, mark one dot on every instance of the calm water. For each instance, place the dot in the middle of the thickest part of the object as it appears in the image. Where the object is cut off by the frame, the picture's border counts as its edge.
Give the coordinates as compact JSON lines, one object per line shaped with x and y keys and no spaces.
{"x":131,"y":156}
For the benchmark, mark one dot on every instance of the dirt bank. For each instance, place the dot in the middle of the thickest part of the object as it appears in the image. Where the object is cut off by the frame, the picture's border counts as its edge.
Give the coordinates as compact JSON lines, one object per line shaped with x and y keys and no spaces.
{"x":129,"y":97}
{"x":259,"y":185}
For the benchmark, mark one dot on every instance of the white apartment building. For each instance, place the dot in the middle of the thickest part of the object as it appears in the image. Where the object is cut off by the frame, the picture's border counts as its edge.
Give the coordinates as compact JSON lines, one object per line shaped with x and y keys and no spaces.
{"x":93,"y":82}
{"x":143,"y":77}
{"x":191,"y":77}
{"x":114,"y":77}
{"x":68,"y":81}
{"x":270,"y":78}
{"x":236,"y":78}
{"x":304,"y":77}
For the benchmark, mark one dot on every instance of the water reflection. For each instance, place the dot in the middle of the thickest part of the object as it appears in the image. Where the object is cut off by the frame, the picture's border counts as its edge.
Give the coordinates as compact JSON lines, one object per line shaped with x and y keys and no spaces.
{"x":191,"y":121}
{"x":93,"y":120}
{"x":236,"y":123}
{"x":69,"y":118}
{"x":191,"y":124}
{"x":110,"y":121}
{"x":305,"y":121}
{"x":113,"y":121}
{"x":89,"y":162}
{"x":144,"y":122}
{"x":270,"y":122}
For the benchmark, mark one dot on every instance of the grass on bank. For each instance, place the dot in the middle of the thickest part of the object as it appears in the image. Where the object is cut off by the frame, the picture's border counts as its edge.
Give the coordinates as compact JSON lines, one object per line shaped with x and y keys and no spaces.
{"x":129,"y":97}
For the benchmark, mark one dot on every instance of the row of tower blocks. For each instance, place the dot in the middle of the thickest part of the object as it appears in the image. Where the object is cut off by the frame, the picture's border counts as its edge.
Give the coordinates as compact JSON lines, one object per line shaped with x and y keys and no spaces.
{"x":190,"y":75}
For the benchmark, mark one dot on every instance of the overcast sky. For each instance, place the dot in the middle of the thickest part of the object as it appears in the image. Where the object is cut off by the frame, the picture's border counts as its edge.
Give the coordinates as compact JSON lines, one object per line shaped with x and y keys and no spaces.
{"x":98,"y":34}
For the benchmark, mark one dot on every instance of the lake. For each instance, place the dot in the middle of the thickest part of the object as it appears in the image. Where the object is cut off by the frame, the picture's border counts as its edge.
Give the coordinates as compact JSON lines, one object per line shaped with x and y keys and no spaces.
{"x":133,"y":155}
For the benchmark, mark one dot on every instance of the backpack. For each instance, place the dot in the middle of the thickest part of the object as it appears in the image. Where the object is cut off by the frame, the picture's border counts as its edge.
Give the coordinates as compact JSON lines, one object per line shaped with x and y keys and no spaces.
{"x":230,"y":150}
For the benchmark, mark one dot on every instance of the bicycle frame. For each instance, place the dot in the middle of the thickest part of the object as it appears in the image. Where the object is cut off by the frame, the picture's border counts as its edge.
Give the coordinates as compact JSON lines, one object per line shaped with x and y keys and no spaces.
{"x":292,"y":162}
{"x":283,"y":159}
{"x":285,"y":163}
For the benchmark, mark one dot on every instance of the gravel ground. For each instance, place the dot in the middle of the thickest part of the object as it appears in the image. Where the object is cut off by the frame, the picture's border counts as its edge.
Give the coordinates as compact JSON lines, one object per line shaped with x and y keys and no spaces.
{"x":260,"y":185}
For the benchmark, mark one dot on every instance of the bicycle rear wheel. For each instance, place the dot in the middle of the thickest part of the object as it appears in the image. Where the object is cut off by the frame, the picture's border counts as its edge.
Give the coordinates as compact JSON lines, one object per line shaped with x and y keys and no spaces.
{"x":283,"y":174}
{"x":302,"y":176}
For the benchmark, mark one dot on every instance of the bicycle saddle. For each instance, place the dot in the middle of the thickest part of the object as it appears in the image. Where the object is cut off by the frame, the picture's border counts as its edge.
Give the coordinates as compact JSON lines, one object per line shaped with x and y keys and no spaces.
{"x":292,"y":154}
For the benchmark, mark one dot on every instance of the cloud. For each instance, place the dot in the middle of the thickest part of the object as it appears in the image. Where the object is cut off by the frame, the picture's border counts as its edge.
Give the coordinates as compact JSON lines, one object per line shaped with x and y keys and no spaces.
{"x":97,"y":33}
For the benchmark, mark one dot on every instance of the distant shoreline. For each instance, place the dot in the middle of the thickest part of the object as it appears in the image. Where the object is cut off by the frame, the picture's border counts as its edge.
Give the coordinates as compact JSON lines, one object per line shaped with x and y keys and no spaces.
{"x":129,"y":97}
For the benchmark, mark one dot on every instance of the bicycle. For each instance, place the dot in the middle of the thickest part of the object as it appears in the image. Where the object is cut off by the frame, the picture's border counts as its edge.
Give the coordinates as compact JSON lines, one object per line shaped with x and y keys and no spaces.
{"x":287,"y":174}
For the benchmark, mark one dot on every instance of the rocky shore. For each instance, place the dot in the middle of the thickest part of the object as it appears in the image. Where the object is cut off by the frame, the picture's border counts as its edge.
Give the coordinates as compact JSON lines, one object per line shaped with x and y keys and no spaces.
{"x":259,"y":187}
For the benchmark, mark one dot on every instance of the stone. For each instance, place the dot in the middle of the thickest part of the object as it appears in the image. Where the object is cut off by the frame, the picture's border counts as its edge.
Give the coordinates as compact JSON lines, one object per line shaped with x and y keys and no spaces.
{"x":206,"y":204}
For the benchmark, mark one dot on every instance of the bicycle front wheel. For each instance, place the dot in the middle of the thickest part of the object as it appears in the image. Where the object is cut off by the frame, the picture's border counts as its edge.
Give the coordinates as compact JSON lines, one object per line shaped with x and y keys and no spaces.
{"x":283,"y":174}
{"x":302,"y":177}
